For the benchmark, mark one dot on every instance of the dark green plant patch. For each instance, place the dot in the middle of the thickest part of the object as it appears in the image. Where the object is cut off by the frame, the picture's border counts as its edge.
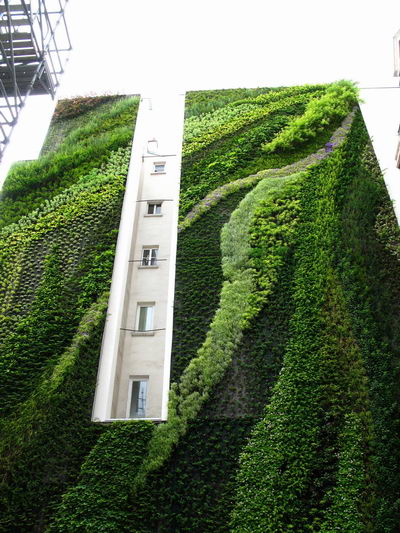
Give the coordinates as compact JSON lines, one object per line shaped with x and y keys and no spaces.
{"x":198,"y":281}
{"x":44,"y":445}
{"x":193,"y":491}
{"x":100,"y":499}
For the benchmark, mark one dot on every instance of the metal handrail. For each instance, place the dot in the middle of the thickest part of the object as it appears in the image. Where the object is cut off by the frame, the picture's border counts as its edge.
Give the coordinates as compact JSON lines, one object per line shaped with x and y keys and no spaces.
{"x":43,"y":62}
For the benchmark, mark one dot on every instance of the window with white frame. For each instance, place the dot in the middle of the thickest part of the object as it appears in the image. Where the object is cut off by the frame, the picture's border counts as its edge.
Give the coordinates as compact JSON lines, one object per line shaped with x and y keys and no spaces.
{"x":149,"y":256}
{"x":159,"y":167}
{"x":154,"y":208}
{"x":145,"y":317}
{"x":137,"y":397}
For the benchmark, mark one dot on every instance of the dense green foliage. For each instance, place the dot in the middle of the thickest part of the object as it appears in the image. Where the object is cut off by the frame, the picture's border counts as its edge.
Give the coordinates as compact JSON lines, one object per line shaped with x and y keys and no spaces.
{"x":80,"y":147}
{"x":233,"y":152}
{"x":56,"y":264}
{"x":312,"y":462}
{"x":369,"y":251}
{"x":293,"y":468}
{"x":108,"y":470}
{"x":75,"y":231}
{"x":334,"y":104}
{"x":284,"y":408}
{"x":42,"y":446}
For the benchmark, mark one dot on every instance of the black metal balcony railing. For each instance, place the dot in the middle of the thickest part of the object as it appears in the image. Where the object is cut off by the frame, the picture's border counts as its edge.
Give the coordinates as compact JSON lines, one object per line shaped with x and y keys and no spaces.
{"x":31,"y":60}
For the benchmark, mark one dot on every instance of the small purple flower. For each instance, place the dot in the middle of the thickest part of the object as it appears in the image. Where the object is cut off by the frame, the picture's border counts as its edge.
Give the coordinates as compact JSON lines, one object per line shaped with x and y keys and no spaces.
{"x":328,"y":147}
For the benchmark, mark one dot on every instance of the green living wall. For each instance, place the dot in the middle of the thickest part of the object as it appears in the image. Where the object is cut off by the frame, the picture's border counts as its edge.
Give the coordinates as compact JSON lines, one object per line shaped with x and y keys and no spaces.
{"x":59,"y":218}
{"x":284,"y":406}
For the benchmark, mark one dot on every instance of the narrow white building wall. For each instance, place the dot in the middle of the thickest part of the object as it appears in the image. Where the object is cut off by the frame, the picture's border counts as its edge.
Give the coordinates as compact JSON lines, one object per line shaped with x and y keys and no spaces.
{"x":136,"y":350}
{"x":396,"y":53}
{"x":381,"y":112}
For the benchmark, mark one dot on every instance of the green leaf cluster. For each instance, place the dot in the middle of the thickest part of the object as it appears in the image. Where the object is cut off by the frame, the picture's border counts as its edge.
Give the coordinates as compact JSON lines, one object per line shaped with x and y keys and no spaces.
{"x":333,"y":105}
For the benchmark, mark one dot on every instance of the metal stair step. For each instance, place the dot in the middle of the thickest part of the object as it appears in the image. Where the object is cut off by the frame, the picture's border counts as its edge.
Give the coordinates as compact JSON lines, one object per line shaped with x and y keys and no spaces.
{"x":15,"y":8}
{"x":20,"y":52}
{"x":16,"y":36}
{"x":15,"y":22}
{"x":23,"y":59}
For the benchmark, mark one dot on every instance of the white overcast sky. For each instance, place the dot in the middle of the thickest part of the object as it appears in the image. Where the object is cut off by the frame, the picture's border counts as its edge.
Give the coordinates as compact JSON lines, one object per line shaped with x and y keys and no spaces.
{"x":140,"y":46}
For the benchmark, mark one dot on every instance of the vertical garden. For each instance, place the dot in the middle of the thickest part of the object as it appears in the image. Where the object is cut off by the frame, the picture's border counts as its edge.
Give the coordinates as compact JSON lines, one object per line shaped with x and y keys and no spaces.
{"x":284,"y":404}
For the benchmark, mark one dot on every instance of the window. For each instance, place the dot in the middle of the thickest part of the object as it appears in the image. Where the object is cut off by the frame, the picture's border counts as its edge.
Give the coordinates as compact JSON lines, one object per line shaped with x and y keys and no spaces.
{"x":145,"y":315}
{"x":159,"y":168}
{"x":137,"y":397}
{"x":149,"y":257}
{"x":154,"y":208}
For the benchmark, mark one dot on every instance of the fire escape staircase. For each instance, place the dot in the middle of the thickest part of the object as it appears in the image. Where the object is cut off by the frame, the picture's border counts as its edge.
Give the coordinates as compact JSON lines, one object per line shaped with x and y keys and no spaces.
{"x":31,"y":61}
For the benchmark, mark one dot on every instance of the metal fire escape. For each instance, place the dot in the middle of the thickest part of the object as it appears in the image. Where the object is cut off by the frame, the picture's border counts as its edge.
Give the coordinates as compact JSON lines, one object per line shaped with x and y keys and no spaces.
{"x":31,"y":60}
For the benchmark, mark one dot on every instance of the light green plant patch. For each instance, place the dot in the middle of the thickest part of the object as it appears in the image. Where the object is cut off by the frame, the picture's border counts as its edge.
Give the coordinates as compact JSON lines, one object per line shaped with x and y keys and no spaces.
{"x":336,"y":103}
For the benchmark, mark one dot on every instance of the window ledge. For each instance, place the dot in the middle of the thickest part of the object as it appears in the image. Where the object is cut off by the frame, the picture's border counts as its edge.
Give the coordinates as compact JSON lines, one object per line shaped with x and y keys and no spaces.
{"x":148,"y":266}
{"x":143,"y":333}
{"x":110,"y":420}
{"x":155,"y":215}
{"x":157,"y":173}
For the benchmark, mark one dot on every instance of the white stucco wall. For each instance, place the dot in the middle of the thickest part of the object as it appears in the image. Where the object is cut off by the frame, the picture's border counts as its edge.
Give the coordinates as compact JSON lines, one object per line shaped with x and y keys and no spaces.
{"x":396,"y":53}
{"x":381,"y":112}
{"x":125,"y":354}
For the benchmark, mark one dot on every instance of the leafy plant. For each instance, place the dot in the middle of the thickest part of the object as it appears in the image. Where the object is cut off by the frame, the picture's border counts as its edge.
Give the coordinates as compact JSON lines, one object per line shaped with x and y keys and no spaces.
{"x":334,"y":105}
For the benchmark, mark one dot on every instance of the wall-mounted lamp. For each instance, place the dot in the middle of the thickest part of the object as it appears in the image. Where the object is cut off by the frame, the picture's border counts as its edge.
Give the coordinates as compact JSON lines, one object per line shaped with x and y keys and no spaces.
{"x":152,"y":146}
